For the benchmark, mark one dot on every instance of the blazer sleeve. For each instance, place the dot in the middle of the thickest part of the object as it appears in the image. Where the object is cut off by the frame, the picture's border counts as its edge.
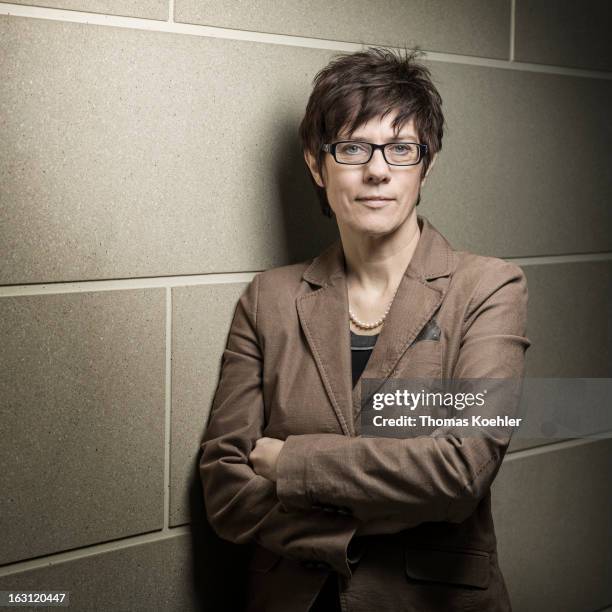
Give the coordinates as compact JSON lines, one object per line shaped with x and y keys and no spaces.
{"x":440,"y":477}
{"x":242,"y":506}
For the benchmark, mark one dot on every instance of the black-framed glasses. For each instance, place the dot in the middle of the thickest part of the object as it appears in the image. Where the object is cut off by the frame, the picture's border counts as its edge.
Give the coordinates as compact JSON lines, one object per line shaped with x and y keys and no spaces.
{"x":357,"y":152}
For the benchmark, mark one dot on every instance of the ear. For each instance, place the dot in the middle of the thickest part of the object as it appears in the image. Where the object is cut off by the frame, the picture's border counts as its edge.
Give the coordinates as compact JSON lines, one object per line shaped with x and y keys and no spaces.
{"x":431,"y":165}
{"x":310,"y":161}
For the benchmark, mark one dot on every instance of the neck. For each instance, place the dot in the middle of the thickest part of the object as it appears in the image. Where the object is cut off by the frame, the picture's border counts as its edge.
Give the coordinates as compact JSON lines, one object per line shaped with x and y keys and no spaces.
{"x":377,"y":263}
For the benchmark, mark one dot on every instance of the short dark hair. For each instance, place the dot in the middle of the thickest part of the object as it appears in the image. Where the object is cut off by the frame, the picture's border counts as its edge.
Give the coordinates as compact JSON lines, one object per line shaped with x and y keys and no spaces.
{"x":356,"y":87}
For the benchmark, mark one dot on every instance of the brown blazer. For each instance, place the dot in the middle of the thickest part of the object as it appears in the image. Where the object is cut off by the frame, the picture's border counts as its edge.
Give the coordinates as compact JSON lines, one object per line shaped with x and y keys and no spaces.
{"x":286,"y":373}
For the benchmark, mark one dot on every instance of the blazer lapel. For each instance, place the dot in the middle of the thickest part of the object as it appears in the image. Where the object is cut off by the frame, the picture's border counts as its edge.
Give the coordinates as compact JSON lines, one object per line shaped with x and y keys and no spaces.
{"x":324,"y":318}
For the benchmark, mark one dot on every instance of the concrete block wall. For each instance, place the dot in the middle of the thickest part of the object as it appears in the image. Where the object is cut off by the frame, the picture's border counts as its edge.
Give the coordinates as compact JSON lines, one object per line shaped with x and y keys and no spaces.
{"x":150,"y":166}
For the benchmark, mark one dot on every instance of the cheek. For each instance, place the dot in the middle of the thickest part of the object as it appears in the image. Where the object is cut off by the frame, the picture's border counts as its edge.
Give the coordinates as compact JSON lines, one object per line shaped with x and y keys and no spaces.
{"x":411,"y":185}
{"x":343,"y":188}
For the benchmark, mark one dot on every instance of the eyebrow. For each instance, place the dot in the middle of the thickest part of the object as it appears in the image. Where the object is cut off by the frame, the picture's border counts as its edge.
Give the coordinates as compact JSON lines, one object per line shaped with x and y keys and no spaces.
{"x":401,"y":137}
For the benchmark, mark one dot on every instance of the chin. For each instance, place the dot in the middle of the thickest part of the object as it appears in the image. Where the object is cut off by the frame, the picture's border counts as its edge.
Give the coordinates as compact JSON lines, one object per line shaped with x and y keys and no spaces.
{"x":375,"y":229}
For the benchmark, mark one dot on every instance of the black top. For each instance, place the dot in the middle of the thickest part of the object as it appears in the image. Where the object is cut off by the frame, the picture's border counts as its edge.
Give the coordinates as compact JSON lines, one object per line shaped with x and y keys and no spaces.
{"x":361,"y":349}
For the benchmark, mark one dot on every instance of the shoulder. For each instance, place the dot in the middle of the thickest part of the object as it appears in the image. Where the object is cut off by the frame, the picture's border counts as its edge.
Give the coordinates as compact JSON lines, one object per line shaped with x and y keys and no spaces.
{"x":282,"y":277}
{"x":273,"y":297}
{"x":276,"y":287}
{"x":473,"y":268}
{"x":280,"y":282}
{"x":480,"y":278}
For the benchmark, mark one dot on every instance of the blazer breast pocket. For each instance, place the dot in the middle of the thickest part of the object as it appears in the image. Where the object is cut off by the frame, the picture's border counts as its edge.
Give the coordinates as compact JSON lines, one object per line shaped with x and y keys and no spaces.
{"x":430,"y":331}
{"x":423,"y":358}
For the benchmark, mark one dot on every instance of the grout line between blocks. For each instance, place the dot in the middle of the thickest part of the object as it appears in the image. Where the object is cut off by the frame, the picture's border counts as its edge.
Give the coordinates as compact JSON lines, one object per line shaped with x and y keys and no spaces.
{"x":231,"y":277}
{"x":137,"y":23}
{"x":168,"y":410}
{"x":170,"y":26}
{"x":125,"y":283}
{"x":554,"y":446}
{"x":560,"y":259}
{"x":90,"y":551}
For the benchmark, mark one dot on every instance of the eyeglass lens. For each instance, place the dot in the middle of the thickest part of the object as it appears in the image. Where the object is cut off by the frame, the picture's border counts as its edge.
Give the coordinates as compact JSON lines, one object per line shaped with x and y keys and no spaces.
{"x":360,"y":152}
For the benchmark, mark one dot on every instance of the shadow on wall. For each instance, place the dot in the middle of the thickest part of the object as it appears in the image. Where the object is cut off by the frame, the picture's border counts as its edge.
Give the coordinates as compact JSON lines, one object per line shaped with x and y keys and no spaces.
{"x":306,"y":232}
{"x":219,"y":567}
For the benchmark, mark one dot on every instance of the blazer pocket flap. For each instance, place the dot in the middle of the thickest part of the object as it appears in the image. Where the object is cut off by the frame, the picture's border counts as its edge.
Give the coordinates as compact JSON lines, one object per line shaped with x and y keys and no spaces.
{"x":262,"y":559}
{"x":430,"y":331}
{"x":454,"y":566}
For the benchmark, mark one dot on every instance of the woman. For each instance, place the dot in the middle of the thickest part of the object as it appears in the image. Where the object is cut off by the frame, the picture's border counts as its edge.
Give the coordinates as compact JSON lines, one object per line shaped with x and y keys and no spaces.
{"x":338,"y":520}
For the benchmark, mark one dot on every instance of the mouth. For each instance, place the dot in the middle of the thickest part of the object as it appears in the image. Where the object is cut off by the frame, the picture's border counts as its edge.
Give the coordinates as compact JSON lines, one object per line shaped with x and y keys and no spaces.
{"x":375,"y":202}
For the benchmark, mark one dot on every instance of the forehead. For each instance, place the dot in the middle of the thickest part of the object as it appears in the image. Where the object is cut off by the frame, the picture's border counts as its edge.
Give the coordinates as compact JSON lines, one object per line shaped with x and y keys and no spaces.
{"x":381,"y":127}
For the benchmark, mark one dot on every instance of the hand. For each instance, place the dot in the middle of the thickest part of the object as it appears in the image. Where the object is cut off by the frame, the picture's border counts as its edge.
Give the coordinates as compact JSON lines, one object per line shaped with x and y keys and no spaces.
{"x":264,"y":456}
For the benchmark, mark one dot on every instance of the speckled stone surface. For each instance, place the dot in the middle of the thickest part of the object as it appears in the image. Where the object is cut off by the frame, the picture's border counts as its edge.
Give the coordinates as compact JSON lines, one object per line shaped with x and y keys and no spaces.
{"x":117,"y":164}
{"x":468,"y":27}
{"x":135,"y":153}
{"x":201,"y":318}
{"x":149,"y":9}
{"x":569,"y":319}
{"x":132,"y":153}
{"x":138,"y":578}
{"x":552,"y":519}
{"x":564,"y":33}
{"x":150,"y":143}
{"x":524,"y":166}
{"x":82,"y":393}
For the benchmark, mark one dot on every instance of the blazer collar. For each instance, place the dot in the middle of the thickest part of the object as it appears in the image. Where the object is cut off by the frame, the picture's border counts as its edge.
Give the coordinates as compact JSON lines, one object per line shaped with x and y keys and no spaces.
{"x":323,"y":315}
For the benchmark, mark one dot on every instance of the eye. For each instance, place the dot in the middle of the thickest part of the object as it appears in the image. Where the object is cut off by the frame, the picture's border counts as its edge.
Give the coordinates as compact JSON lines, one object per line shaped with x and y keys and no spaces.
{"x":352,"y":148}
{"x":402,"y":149}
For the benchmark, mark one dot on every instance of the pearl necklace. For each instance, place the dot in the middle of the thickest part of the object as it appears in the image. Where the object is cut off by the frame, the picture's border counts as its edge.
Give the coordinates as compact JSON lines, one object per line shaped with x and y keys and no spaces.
{"x":374,"y":325}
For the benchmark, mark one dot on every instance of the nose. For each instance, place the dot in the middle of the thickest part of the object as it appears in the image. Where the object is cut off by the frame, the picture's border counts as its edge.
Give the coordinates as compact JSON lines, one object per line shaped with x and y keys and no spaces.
{"x":377,"y":169}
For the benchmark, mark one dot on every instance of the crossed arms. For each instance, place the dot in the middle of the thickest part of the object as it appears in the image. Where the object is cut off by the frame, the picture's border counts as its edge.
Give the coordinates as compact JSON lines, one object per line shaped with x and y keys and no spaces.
{"x":385,"y":485}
